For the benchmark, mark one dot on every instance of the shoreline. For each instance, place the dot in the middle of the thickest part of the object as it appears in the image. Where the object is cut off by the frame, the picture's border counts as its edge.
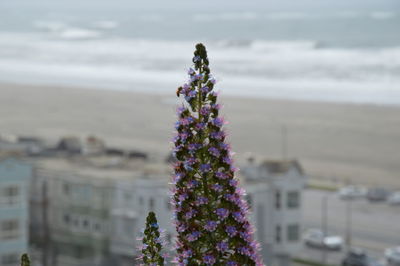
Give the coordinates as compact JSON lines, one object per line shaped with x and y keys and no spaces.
{"x":347,"y":142}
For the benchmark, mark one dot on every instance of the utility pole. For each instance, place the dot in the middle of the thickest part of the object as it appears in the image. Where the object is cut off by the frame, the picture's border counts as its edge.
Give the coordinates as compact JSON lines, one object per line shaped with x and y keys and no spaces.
{"x":324,"y":225}
{"x":349,"y":217}
{"x":45,"y":225}
{"x":284,"y":142}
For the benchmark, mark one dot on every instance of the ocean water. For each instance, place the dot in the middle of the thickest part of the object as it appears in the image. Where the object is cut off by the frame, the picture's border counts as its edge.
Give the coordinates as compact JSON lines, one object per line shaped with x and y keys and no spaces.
{"x":321,"y":50}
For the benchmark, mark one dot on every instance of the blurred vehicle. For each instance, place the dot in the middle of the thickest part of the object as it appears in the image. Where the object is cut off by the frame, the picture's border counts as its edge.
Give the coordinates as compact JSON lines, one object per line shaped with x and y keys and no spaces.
{"x":377,"y":194}
{"x":358,"y":257}
{"x":392,"y":256}
{"x":315,"y":238}
{"x":394,"y":199}
{"x":352,"y":192}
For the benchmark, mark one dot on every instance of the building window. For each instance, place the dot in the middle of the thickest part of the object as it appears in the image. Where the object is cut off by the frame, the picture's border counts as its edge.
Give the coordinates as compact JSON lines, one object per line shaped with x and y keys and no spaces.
{"x":66,"y":188}
{"x":278,"y":234}
{"x":168,"y":204}
{"x":9,"y":259}
{"x":277,"y":199}
{"x":293,"y":199}
{"x":249,"y":200}
{"x":151,"y":204}
{"x":66,"y":218}
{"x":9,"y":229}
{"x":85,"y":223}
{"x":10,"y":195}
{"x":293,"y":232}
{"x":97,"y":227}
{"x":140,"y":201}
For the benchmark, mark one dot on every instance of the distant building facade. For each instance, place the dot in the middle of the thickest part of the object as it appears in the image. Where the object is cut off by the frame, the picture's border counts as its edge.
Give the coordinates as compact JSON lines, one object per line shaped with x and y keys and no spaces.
{"x":89,"y":210}
{"x":274,"y":190}
{"x":14,"y":208}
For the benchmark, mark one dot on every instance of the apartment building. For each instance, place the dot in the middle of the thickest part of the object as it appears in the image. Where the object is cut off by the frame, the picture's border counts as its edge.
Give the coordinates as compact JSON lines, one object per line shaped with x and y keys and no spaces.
{"x":274,"y":189}
{"x":14,"y":182}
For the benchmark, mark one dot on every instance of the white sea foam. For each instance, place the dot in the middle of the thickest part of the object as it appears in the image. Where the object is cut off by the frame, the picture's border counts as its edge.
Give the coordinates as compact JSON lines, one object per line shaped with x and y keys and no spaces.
{"x":78,"y":34}
{"x":105,"y":24}
{"x":296,"y":70}
{"x":382,"y":15}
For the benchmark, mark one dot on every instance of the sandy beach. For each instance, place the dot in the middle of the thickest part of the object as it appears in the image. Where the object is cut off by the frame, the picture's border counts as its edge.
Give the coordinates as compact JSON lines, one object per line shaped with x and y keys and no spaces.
{"x":360,"y":143}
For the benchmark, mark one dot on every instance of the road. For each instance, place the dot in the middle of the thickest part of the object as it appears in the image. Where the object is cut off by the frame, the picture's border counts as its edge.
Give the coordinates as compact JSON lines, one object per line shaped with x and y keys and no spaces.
{"x":375,"y":226}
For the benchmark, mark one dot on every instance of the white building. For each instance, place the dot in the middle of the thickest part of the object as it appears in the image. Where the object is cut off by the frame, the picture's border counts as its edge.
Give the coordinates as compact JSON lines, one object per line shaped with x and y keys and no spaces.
{"x":14,"y":182}
{"x":274,"y":190}
{"x":89,"y":210}
{"x":97,"y":206}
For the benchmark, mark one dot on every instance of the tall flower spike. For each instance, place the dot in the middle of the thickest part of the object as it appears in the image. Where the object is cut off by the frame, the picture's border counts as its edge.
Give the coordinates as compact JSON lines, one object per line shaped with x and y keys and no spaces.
{"x":152,"y":243}
{"x":25,"y":260}
{"x":210,"y":213}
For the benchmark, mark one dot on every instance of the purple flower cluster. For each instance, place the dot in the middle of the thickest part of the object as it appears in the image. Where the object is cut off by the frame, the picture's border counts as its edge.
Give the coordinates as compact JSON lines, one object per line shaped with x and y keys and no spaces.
{"x":208,"y":202}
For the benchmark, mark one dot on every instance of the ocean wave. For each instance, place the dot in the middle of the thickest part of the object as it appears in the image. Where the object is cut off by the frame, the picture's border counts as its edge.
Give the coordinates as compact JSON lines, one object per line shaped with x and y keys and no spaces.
{"x":78,"y":34}
{"x":105,"y":24}
{"x":262,"y":67}
{"x":382,"y":15}
{"x":239,"y":16}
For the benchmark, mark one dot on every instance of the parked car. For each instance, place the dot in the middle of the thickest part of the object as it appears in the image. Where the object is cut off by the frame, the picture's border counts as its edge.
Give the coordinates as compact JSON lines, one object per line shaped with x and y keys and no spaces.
{"x":358,"y":257}
{"x":377,"y":194}
{"x":352,"y":192}
{"x":392,"y":256}
{"x":394,"y":199}
{"x":316,"y":238}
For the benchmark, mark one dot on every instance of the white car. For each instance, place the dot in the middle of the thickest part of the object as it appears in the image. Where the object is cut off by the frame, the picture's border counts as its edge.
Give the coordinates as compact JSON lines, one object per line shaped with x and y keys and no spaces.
{"x":394,"y":199}
{"x":315,"y":238}
{"x":392,"y":256}
{"x":352,"y":192}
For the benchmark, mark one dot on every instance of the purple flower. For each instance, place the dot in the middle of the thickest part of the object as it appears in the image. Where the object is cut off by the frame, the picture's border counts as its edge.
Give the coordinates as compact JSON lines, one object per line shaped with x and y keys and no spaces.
{"x":187,"y":253}
{"x":213,"y":81}
{"x":190,"y":213}
{"x":205,"y":110}
{"x":217,"y":135}
{"x":244,"y":251}
{"x":191,"y":71}
{"x":230,"y":197}
{"x":238,"y":216}
{"x":222,"y":213}
{"x":227,"y":160}
{"x":205,"y":89}
{"x":201,"y":201}
{"x":194,"y":147}
{"x":232,"y":263}
{"x":181,"y":228}
{"x":233,"y":182}
{"x":221,"y":175}
{"x":224,"y":146}
{"x":204,"y":168}
{"x":193,"y":236}
{"x":196,"y":59}
{"x":183,"y":136}
{"x":180,"y":110}
{"x":200,"y":126}
{"x":245,"y":236}
{"x":215,"y":106}
{"x":217,"y":187}
{"x":222,"y":246}
{"x":192,"y":183}
{"x":210,"y":226}
{"x":214,"y":151}
{"x":183,"y":196}
{"x":209,"y":259}
{"x":218,"y":122}
{"x":231,"y":230}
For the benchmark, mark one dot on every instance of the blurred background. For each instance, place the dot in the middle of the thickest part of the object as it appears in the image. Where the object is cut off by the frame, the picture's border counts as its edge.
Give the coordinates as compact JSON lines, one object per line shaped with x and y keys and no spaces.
{"x":87,"y":95}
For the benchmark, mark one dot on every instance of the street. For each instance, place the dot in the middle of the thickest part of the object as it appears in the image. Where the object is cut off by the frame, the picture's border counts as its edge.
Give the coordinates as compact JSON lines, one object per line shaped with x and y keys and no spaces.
{"x":374,"y":226}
